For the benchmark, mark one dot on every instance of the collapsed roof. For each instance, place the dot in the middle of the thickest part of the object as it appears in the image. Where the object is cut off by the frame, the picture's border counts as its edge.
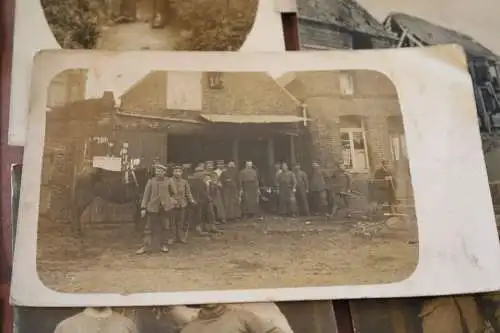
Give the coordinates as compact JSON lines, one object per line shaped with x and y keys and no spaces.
{"x":433,"y":34}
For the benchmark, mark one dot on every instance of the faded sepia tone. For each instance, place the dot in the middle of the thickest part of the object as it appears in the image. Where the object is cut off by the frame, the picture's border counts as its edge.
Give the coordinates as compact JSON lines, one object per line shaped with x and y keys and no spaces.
{"x":460,"y":314}
{"x":121,"y":147}
{"x":199,"y":25}
{"x":283,"y":317}
{"x":345,"y":217}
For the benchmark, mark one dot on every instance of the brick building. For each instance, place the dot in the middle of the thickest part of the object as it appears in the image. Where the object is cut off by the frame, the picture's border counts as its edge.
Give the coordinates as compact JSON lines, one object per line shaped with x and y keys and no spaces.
{"x":211,"y":116}
{"x":355,"y":118}
{"x":339,"y":24}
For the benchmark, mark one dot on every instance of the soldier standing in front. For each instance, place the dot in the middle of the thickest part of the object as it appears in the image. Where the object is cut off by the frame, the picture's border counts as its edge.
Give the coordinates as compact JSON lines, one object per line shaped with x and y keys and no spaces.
{"x":157,"y":203}
{"x":318,"y":187}
{"x":181,"y":192}
{"x":287,"y":184}
{"x":249,"y":190}
{"x":302,"y":190}
{"x":231,"y":192}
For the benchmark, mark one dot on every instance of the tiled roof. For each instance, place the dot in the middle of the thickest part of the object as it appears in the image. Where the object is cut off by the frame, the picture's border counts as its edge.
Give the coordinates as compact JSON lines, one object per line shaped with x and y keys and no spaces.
{"x":434,"y":34}
{"x":345,"y":13}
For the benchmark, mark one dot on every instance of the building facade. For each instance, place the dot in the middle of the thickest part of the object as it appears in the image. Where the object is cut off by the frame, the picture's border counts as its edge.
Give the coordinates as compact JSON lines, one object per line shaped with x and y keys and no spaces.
{"x":339,"y":24}
{"x":355,"y":118}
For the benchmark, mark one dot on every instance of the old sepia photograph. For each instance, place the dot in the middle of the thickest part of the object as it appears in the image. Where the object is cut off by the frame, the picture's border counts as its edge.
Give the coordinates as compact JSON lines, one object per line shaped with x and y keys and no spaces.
{"x":262,"y":179}
{"x":282,"y":317}
{"x":195,"y":178}
{"x":197,"y":25}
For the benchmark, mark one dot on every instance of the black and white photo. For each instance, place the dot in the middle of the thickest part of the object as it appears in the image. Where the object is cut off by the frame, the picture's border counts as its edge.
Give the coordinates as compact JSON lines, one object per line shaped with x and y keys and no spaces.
{"x":248,"y":183}
{"x":240,"y":182}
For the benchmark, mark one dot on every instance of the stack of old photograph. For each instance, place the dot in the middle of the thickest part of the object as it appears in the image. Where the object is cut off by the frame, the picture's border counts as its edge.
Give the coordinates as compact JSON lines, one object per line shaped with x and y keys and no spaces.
{"x":183,"y":173}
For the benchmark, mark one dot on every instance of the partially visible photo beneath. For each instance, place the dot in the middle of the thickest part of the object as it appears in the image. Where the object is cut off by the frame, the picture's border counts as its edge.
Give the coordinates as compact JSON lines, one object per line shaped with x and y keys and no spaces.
{"x":311,"y":167}
{"x":451,"y":314}
{"x":285,"y":317}
{"x":190,"y":25}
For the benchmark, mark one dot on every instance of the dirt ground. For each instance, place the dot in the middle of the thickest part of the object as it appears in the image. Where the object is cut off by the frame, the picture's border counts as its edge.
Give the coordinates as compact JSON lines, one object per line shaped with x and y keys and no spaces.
{"x":269,"y":253}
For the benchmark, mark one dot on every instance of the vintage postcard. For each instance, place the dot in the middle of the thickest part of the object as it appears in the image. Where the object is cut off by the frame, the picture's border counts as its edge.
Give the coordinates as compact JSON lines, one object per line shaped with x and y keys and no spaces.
{"x":283,"y":317}
{"x":124,"y":25}
{"x":182,"y":178}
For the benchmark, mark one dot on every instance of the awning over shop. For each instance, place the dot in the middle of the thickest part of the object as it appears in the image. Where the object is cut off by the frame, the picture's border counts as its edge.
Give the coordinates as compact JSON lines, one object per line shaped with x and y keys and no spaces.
{"x":252,"y":119}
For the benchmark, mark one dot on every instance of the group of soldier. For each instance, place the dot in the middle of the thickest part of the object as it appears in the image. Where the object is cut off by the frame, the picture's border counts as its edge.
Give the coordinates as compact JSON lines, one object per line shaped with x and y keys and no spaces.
{"x":177,"y":198}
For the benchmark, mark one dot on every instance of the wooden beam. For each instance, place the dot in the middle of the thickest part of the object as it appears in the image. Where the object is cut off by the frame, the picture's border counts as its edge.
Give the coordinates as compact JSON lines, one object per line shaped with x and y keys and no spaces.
{"x":414,"y":39}
{"x":153,"y":117}
{"x":293,"y":158}
{"x":270,"y":152}
{"x":402,"y":39}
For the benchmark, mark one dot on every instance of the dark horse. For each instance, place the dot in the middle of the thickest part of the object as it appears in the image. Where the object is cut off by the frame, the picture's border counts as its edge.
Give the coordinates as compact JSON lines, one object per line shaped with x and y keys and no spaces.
{"x":109,"y":186}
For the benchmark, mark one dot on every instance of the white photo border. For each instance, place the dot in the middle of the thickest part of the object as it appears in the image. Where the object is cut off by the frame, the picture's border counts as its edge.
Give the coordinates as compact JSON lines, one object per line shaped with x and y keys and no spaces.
{"x":458,"y":241}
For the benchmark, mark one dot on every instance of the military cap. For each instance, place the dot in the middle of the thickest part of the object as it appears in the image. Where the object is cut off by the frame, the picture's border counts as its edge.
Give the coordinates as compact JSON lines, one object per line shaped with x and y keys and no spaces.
{"x":160,"y":166}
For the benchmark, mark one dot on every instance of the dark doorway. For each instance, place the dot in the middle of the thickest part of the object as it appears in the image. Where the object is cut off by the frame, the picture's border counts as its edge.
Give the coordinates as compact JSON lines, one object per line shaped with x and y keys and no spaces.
{"x":282,"y":149}
{"x":361,"y":42}
{"x":290,"y":31}
{"x":197,"y":148}
{"x":255,"y":150}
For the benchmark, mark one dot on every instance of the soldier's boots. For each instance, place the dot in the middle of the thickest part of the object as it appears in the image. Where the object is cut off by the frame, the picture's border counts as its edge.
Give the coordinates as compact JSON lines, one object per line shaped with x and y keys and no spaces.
{"x":143,"y":250}
{"x":211,"y":228}
{"x":200,"y":231}
{"x":147,"y":249}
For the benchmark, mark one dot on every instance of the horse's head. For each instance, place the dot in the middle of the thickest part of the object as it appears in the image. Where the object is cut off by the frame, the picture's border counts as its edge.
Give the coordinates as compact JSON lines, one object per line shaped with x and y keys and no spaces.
{"x":142,"y":175}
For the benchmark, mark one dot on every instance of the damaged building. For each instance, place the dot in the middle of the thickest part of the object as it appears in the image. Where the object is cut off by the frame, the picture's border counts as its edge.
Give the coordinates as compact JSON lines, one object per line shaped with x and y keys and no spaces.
{"x":484,"y":65}
{"x":337,"y":24}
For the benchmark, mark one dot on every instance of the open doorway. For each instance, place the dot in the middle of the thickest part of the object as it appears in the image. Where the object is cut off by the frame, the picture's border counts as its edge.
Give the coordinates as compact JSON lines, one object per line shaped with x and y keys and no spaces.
{"x":198,"y":148}
{"x":255,"y":150}
{"x":361,"y":42}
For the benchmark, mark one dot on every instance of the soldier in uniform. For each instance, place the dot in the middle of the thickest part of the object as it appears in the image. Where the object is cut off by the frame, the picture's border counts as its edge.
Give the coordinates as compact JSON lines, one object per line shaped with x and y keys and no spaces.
{"x":220,"y":214}
{"x":318,"y":188}
{"x":302,"y":190}
{"x":197,"y":186}
{"x":385,"y":186}
{"x":186,"y":170}
{"x":157,"y":204}
{"x":181,"y":192}
{"x":219,"y":168}
{"x":249,"y":190}
{"x":341,"y":184}
{"x":208,"y":191}
{"x":287,"y":184}
{"x":231,"y":192}
{"x":274,"y":200}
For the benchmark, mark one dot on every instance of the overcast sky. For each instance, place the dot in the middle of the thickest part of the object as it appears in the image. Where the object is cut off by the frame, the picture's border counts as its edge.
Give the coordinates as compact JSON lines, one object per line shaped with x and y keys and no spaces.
{"x":479,"y":19}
